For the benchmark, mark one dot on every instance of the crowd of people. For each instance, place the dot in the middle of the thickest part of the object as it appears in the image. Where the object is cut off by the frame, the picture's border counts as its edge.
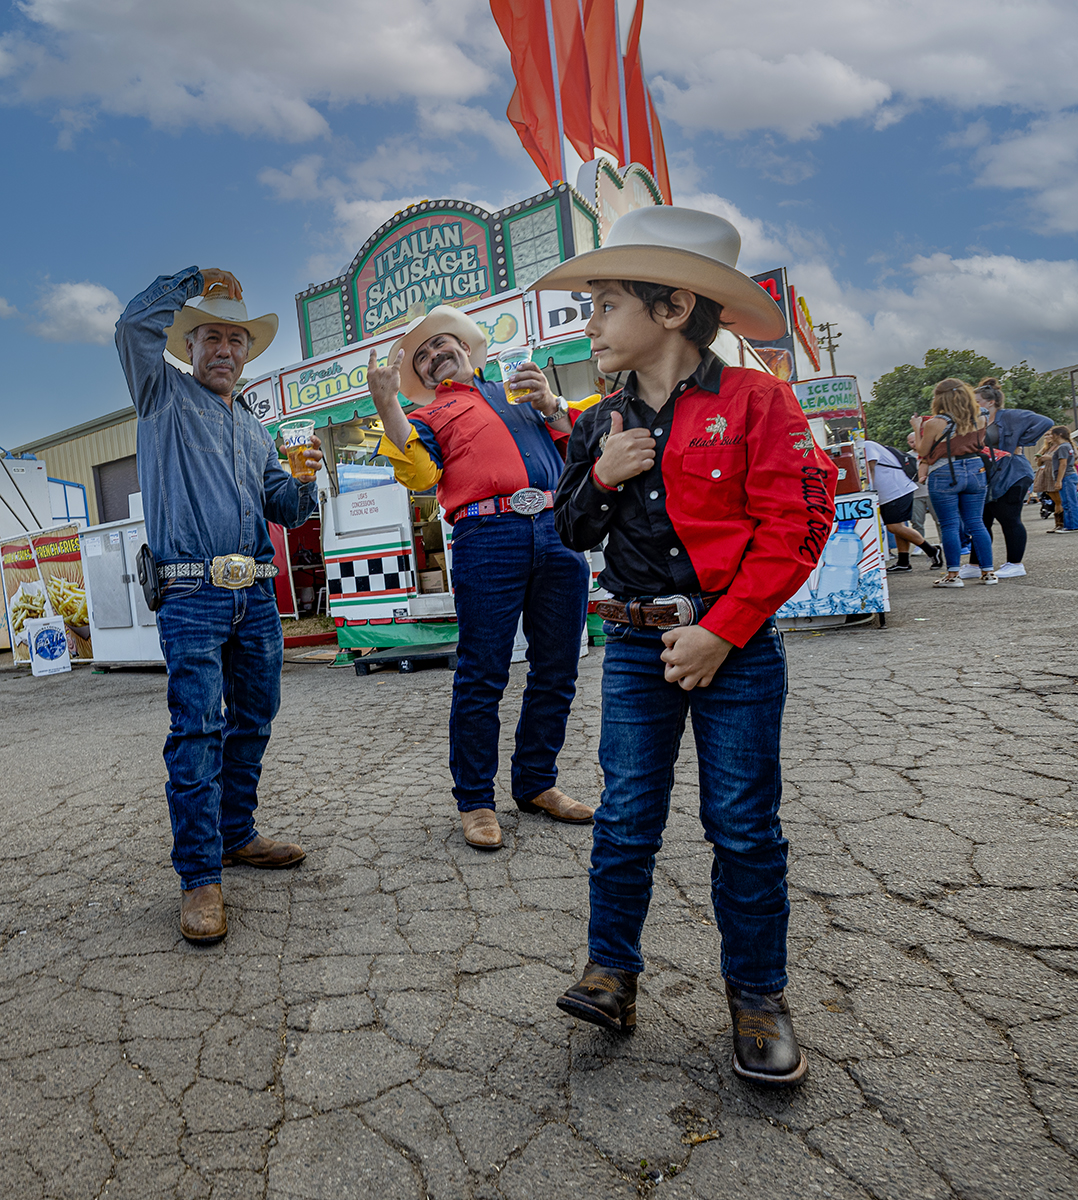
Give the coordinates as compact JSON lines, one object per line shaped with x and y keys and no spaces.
{"x":971,"y":474}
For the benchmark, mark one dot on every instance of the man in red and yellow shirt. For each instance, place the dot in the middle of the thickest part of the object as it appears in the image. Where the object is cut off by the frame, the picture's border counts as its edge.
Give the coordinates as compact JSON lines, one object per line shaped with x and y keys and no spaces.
{"x":716,"y":505}
{"x":496,"y":465}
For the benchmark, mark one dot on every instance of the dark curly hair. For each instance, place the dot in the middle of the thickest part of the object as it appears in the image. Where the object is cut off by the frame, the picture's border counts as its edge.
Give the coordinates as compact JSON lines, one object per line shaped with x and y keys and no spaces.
{"x":704,"y":321}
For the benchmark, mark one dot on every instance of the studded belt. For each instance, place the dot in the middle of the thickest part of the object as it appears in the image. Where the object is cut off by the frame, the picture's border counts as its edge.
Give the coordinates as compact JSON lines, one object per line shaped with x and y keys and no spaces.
{"x":528,"y":502}
{"x":232,"y":571}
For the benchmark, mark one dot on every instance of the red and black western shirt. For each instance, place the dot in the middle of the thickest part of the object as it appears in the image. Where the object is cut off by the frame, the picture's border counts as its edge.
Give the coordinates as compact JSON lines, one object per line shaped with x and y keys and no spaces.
{"x":485,"y":446}
{"x":740,"y":499}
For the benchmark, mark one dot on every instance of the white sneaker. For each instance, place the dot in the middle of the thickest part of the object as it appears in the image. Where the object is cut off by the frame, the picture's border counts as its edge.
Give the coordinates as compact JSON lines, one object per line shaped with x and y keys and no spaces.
{"x":968,"y":571}
{"x":1010,"y":571}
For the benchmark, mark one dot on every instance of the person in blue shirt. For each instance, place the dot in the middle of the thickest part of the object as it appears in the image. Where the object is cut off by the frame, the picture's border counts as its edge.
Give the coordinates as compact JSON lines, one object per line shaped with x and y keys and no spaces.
{"x":1009,"y":478}
{"x":496,"y":465}
{"x":210,"y":481}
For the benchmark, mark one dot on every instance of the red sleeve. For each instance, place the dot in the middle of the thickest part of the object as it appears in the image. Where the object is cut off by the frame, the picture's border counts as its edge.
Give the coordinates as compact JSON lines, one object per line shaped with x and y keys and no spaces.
{"x":559,"y":436}
{"x":790,"y":503}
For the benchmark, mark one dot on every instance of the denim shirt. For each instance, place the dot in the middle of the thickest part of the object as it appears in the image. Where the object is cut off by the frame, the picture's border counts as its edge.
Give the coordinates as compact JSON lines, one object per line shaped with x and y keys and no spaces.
{"x":209,"y":473}
{"x":1014,"y":427}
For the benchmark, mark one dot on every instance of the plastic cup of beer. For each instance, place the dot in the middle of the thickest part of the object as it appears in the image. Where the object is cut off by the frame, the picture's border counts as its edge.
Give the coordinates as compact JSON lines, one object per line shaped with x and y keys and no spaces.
{"x":511,"y":359}
{"x":296,"y":436}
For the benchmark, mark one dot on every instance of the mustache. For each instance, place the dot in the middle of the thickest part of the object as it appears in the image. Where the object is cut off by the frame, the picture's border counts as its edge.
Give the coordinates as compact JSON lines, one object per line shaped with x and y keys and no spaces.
{"x":438,"y":359}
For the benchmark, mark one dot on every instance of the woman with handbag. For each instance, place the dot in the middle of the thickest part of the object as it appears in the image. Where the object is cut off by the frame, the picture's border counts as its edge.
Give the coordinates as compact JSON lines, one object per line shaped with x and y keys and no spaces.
{"x":1009,"y":474}
{"x":951,"y":442}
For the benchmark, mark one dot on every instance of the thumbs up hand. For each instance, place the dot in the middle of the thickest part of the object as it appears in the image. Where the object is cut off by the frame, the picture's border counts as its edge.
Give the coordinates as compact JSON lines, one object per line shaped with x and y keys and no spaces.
{"x":626,"y":454}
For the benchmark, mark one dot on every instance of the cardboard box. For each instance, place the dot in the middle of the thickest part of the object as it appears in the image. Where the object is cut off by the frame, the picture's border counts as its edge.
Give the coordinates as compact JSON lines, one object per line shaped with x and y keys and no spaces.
{"x":432,"y":581}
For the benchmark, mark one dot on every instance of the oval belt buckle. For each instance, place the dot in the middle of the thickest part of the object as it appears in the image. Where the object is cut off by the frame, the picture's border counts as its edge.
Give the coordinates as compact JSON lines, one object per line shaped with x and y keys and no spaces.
{"x":686,"y":614}
{"x":528,"y":501}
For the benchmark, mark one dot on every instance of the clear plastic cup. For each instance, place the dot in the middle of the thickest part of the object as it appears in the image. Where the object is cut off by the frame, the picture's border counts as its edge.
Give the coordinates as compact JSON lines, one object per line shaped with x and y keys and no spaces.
{"x":296,"y":436}
{"x":511,"y":359}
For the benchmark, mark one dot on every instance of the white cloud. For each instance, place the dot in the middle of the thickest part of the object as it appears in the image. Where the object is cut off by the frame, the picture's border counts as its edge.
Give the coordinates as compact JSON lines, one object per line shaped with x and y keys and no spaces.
{"x":795,"y":67}
{"x":1043,"y":159}
{"x":253,"y":66}
{"x":77,"y":312}
{"x":7,"y":309}
{"x":1004,"y":307}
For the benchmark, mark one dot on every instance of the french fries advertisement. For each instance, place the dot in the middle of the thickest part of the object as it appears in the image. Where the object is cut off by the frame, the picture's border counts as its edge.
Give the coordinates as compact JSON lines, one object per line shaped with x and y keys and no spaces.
{"x":60,"y":563}
{"x":24,"y":592}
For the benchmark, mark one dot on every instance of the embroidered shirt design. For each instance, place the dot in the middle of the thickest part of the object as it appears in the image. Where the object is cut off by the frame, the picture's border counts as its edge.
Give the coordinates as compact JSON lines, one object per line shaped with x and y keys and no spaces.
{"x":717,"y":425}
{"x":806,"y":443}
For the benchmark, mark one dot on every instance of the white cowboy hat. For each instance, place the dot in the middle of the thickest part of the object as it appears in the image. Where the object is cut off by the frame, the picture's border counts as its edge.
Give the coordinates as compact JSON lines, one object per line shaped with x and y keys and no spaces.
{"x":214,"y":310}
{"x":682,"y":248}
{"x":443,"y":319}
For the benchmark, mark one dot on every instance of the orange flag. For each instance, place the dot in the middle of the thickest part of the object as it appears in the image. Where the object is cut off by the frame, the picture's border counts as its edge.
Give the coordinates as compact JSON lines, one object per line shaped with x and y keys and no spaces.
{"x":533,"y":108}
{"x":645,"y":134}
{"x":601,"y":44}
{"x":567,"y":17}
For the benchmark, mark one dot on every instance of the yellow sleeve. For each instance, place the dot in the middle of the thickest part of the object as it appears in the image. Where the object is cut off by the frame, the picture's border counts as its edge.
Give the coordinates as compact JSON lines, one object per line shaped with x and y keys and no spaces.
{"x":586,"y":403}
{"x":413,"y":466}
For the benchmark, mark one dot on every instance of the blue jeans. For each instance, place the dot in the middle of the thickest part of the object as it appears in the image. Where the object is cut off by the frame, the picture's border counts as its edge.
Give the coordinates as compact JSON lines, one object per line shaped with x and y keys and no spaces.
{"x":962,"y":500}
{"x":222,"y":648}
{"x":736,"y":722}
{"x":1068,"y":496}
{"x":504,"y":566}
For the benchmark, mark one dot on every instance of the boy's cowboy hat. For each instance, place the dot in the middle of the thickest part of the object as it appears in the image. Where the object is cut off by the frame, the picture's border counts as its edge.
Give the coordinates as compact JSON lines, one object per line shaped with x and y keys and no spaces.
{"x":682,"y":248}
{"x":215,"y":310}
{"x":443,"y":319}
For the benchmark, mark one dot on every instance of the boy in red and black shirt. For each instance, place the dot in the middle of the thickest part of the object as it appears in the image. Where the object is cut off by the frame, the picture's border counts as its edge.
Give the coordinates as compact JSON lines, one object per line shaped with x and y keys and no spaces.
{"x":716,"y":505}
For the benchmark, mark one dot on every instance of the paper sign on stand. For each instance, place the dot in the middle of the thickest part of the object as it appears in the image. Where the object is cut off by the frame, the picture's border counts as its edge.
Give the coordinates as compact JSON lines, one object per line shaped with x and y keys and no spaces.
{"x":47,"y":642}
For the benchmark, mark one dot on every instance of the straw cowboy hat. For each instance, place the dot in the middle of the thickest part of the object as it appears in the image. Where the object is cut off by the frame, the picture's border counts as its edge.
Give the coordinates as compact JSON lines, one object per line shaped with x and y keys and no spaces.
{"x":443,"y":319}
{"x":215,"y":310}
{"x":682,"y":248}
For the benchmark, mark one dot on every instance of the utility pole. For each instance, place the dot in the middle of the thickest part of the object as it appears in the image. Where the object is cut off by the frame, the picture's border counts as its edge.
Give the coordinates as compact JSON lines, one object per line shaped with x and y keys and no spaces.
{"x":830,"y":342}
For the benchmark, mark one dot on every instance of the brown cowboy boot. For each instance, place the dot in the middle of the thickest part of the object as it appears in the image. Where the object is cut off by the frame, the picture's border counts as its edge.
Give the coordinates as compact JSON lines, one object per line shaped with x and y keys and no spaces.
{"x":202,"y":914}
{"x":555,"y":803}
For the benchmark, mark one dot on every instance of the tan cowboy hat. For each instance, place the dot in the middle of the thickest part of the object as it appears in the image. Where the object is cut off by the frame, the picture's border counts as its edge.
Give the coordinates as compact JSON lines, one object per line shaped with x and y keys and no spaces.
{"x":683,"y":248}
{"x":443,"y":319}
{"x":214,"y":310}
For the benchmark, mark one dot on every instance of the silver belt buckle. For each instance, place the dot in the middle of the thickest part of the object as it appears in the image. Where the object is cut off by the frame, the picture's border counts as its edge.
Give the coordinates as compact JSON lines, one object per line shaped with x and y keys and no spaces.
{"x":528,"y":501}
{"x":686,"y":614}
{"x":233,"y":571}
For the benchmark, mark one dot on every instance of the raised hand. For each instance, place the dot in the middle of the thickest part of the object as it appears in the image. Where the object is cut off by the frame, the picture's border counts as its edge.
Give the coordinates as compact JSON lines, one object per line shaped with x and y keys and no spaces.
{"x":384,"y":384}
{"x":627,"y":453}
{"x":214,"y":277}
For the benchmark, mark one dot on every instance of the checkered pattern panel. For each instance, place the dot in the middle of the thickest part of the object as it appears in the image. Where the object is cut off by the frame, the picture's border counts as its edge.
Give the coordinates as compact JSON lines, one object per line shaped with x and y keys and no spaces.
{"x":357,"y":576}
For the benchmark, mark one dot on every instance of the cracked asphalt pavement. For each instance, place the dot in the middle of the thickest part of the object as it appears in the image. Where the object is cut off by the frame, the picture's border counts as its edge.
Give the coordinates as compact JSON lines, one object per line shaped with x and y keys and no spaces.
{"x":380,"y":1022}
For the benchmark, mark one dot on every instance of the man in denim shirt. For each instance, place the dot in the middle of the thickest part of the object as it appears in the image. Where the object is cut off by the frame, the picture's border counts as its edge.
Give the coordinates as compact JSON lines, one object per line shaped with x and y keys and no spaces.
{"x":210,"y":481}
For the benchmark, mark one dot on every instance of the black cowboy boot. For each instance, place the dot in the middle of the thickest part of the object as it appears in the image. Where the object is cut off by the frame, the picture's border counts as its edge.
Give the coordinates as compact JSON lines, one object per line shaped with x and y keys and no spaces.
{"x":604,"y":996}
{"x":765,"y":1046}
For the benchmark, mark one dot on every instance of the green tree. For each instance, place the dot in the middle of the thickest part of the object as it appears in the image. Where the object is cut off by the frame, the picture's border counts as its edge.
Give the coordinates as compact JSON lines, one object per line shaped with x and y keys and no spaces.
{"x":907,"y":390}
{"x":1049,"y":395}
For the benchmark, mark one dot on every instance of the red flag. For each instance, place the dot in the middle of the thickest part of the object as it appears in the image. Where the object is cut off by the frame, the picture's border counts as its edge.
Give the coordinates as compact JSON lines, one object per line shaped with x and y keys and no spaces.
{"x":636,"y":101}
{"x":645,"y":134}
{"x":533,"y":109}
{"x":567,"y":17}
{"x":603,"y":51}
{"x":658,"y":151}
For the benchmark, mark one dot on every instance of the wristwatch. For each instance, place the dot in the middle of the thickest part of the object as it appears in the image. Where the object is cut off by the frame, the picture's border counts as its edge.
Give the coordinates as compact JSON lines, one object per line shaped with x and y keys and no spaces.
{"x":561,"y":409}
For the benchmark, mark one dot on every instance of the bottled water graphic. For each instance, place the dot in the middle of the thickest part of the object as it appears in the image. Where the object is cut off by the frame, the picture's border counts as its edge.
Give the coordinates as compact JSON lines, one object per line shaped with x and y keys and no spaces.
{"x":841,"y":559}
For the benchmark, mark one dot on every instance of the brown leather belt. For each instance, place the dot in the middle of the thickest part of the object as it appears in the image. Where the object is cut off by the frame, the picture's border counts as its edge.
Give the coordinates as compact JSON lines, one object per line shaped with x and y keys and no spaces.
{"x":664,"y":612}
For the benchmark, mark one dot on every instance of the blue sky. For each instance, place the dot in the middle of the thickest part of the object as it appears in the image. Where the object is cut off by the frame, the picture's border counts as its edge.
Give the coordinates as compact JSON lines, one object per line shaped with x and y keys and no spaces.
{"x":913,"y":164}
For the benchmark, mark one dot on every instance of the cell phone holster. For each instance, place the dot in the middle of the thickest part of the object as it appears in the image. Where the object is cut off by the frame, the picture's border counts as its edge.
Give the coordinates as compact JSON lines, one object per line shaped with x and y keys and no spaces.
{"x":147,"y":576}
